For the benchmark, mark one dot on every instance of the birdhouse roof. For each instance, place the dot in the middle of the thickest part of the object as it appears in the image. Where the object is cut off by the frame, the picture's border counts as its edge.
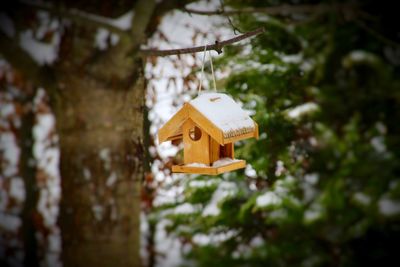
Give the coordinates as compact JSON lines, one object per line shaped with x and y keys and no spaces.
{"x":218,"y":114}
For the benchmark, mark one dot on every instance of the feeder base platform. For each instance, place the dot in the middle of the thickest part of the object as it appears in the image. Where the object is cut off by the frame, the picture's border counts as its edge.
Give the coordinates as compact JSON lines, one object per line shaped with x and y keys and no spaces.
{"x":239,"y":164}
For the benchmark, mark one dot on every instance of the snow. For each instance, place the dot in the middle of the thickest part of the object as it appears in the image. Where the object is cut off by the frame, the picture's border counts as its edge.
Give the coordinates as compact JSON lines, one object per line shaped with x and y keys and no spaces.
{"x":263,"y":136}
{"x":313,"y":214}
{"x":269,"y":198}
{"x":166,"y":150}
{"x":54,"y":242}
{"x":213,"y":238}
{"x":47,"y":205}
{"x":98,"y":211}
{"x":202,"y":183}
{"x":17,"y":189}
{"x":311,"y":178}
{"x":250,"y":171}
{"x":114,"y":39}
{"x":169,"y":247}
{"x":144,"y":232}
{"x":111,"y":179}
{"x":47,"y":156}
{"x":362,"y":198}
{"x":389,"y":207}
{"x":219,"y":163}
{"x":10,"y":153}
{"x":168,"y":195}
{"x":87,"y":174}
{"x":256,"y":241}
{"x":198,"y":165}
{"x":185,"y":208}
{"x":224,"y":113}
{"x":261,"y":67}
{"x":42,"y":53}
{"x":281,"y":186}
{"x":307,"y":65}
{"x":301,"y":110}
{"x":378,"y":143}
{"x":9,"y":222}
{"x":224,"y":190}
{"x":102,"y":37}
{"x":123,"y":22}
{"x":224,"y":161}
{"x":280,"y":168}
{"x":104,"y":154}
{"x":294,"y":59}
{"x":6,"y":109}
{"x":360,"y":56}
{"x":309,"y":191}
{"x":280,"y":191}
{"x":45,"y":124}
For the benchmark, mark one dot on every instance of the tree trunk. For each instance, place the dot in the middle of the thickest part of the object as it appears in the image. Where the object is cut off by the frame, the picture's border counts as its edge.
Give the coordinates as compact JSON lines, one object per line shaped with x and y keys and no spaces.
{"x":99,"y":111}
{"x":28,"y":172}
{"x":98,"y":99}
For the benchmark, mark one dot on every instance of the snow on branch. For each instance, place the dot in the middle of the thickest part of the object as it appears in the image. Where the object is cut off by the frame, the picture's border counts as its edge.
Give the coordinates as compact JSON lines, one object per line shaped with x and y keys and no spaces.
{"x":273,"y":10}
{"x":78,"y":16}
{"x":23,"y":62}
{"x":217,"y":46}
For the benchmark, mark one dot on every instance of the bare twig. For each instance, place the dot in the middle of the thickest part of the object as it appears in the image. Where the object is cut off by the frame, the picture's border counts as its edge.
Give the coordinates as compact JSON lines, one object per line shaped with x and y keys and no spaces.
{"x":216,"y":47}
{"x":235,"y":29}
{"x":275,"y":10}
{"x":76,"y":15}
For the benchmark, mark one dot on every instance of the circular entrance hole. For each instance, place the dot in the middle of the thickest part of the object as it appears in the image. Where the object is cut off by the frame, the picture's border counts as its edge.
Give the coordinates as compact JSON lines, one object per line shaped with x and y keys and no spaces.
{"x":195,"y":133}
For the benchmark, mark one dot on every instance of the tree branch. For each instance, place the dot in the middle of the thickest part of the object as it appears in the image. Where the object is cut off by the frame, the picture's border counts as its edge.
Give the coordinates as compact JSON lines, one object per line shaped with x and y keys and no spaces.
{"x":144,"y":10}
{"x":275,"y":10}
{"x":78,"y":16}
{"x":217,"y":46}
{"x":161,"y":9}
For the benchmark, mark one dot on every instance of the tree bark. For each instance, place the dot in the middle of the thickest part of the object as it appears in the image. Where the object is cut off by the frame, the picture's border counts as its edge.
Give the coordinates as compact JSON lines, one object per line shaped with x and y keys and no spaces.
{"x":99,"y":110}
{"x":101,"y":135}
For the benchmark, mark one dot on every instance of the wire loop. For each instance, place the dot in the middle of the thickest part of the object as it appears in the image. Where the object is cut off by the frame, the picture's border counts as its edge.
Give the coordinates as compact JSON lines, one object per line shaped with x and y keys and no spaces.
{"x":212,"y":71}
{"x":202,"y":70}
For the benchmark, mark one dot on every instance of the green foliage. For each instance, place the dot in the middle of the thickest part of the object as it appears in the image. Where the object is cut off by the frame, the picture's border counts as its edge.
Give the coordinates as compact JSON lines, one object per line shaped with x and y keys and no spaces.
{"x":325,"y":191}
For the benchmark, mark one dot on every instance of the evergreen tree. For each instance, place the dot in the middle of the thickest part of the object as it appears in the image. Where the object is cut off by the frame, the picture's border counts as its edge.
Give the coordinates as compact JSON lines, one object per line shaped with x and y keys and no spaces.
{"x":322,"y":186}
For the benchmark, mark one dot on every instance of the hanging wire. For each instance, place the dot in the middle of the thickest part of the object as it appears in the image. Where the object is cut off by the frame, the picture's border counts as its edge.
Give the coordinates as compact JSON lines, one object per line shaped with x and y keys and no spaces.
{"x":202,"y":69}
{"x":212,"y":71}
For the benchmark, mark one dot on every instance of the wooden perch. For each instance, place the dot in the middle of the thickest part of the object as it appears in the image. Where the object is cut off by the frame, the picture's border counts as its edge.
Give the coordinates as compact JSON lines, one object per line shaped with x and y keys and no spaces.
{"x":217,"y":46}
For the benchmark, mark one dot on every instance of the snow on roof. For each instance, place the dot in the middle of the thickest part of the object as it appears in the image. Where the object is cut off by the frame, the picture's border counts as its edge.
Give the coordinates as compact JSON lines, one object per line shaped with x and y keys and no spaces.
{"x":224,"y":112}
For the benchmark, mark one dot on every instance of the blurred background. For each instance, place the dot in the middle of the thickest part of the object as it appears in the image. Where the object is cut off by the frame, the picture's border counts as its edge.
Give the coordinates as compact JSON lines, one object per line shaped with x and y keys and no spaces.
{"x":83,"y":181}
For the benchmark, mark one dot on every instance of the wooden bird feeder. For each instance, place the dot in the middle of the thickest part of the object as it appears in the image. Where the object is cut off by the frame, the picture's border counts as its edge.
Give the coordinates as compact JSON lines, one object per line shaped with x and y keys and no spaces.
{"x":208,"y":126}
